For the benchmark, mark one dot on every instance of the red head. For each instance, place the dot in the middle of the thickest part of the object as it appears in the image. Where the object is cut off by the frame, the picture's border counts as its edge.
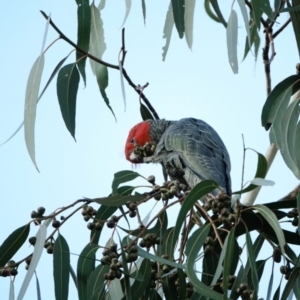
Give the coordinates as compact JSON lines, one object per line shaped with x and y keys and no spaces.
{"x":138,"y":135}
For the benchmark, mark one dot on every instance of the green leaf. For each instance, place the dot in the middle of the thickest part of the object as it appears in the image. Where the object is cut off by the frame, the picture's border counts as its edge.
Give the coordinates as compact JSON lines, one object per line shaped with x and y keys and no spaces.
{"x":193,"y":246}
{"x":83,"y":34}
{"x":241,"y":277}
{"x":272,"y":220}
{"x":144,"y":11}
{"x":31,"y":99}
{"x":200,"y":190}
{"x":296,"y":286}
{"x":122,"y":83}
{"x":61,"y":265}
{"x":97,"y":48}
{"x":121,"y":177}
{"x":253,"y":267}
{"x":67,"y":87}
{"x":96,"y":282}
{"x":118,"y":200}
{"x":103,"y":213}
{"x":145,"y":113}
{"x":128,"y":7}
{"x":178,"y":14}
{"x":224,"y":263}
{"x":56,"y":69}
{"x":257,"y":11}
{"x":85,"y":266}
{"x":215,"y":5}
{"x":244,"y":12}
{"x":167,"y":32}
{"x":291,"y":282}
{"x":37,"y":253}
{"x":274,"y":99}
{"x":13,"y":243}
{"x":232,"y":35}
{"x":209,"y":12}
{"x":266,"y":8}
{"x":138,"y":287}
{"x":261,"y":172}
{"x":148,"y":255}
{"x":189,"y":21}
{"x":97,"y":41}
{"x":290,"y":9}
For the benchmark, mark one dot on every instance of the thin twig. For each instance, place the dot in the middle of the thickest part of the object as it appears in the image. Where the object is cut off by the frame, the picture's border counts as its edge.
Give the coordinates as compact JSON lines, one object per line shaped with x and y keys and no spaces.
{"x":244,"y":158}
{"x":282,"y":27}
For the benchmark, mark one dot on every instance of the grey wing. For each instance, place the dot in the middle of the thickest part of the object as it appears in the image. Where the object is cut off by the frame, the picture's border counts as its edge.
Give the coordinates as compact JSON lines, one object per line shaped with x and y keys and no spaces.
{"x":201,"y":149}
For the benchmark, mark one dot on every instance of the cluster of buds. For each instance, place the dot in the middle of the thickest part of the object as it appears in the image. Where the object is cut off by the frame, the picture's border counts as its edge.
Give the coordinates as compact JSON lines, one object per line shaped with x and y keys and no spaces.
{"x":48,"y":246}
{"x":132,"y":206}
{"x":110,"y":257}
{"x":38,"y":214}
{"x":218,"y":203}
{"x":244,"y":292}
{"x":286,"y":271}
{"x":111,"y":223}
{"x":9,"y":270}
{"x":88,"y":212}
{"x":295,"y":215}
{"x":132,"y":254}
{"x":168,"y":190}
{"x":149,"y":240}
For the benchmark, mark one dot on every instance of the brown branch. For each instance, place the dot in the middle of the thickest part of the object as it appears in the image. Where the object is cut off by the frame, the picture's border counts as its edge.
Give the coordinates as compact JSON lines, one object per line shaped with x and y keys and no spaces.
{"x":130,"y":82}
{"x":282,"y":27}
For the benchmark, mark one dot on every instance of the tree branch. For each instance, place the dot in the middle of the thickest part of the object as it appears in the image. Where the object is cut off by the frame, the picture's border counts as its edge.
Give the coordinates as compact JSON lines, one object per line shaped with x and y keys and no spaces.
{"x":128,"y":79}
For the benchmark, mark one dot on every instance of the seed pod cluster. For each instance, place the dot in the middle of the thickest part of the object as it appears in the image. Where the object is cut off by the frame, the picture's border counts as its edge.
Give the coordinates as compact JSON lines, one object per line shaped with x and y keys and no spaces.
{"x":88,"y":212}
{"x":132,"y":206}
{"x":244,"y":292}
{"x":277,"y":255}
{"x":49,"y":247}
{"x":149,"y":240}
{"x":112,"y":221}
{"x":38,"y":214}
{"x":9,"y":270}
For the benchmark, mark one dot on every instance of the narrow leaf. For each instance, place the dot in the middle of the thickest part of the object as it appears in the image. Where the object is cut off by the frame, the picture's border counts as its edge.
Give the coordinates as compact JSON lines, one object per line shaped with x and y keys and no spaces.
{"x":96,"y":282}
{"x":245,"y":18}
{"x":257,"y":11}
{"x":83,"y":34}
{"x":262,"y":182}
{"x":209,"y":11}
{"x":261,"y":172}
{"x":200,"y":190}
{"x":37,"y":253}
{"x":101,"y":4}
{"x":144,"y":11}
{"x":232,"y":35}
{"x":122,"y":177}
{"x":253,"y":267}
{"x":217,"y":10}
{"x":178,"y":13}
{"x":61,"y":265}
{"x":67,"y":87}
{"x":289,"y":285}
{"x":31,"y":99}
{"x":13,"y":243}
{"x":122,"y":84}
{"x":145,"y":113}
{"x":272,"y":220}
{"x":193,"y":246}
{"x":167,"y":33}
{"x":128,"y":7}
{"x":189,"y":21}
{"x":85,"y":266}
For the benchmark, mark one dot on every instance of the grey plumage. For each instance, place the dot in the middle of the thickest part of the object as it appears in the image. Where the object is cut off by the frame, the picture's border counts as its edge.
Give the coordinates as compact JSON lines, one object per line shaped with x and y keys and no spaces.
{"x":190,"y":151}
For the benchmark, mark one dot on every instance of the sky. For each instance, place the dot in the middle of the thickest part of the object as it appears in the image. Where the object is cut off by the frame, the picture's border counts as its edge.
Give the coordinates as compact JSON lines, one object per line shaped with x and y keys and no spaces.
{"x":197,"y":83}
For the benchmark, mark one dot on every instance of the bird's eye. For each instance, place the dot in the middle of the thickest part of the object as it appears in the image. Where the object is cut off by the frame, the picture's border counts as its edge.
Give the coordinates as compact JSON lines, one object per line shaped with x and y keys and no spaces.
{"x":132,"y":141}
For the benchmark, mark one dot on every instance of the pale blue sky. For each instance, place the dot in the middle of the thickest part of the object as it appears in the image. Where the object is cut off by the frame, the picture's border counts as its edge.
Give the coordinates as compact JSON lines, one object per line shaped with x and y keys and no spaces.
{"x":196,"y":83}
